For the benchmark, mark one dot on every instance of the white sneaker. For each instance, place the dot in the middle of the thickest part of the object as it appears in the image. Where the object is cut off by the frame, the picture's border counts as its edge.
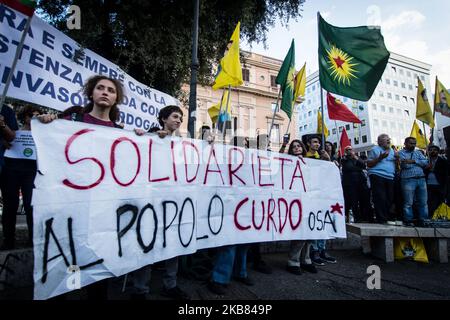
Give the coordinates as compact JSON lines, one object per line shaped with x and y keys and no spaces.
{"x":399,"y":223}
{"x":391,"y":223}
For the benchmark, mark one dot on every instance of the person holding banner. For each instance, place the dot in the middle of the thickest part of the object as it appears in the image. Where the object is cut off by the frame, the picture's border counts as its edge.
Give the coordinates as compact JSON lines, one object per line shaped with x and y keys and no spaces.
{"x":298,"y":257}
{"x":8,"y":128}
{"x":170,"y":118}
{"x":18,"y":175}
{"x":104,"y":95}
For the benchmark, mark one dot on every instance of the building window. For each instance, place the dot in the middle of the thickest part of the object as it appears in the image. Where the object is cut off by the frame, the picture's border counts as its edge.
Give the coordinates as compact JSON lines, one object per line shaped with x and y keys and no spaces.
{"x":391,"y":110}
{"x":374,"y":107}
{"x":403,"y":85}
{"x":363,"y":122}
{"x":356,"y":140}
{"x":313,"y":87}
{"x":401,"y":71}
{"x":381,"y":94}
{"x":308,"y":90}
{"x":422,"y":77}
{"x":275,"y":134}
{"x":272,"y":81}
{"x":388,"y":81}
{"x":340,"y":129}
{"x":395,"y":83}
{"x":410,"y":87}
{"x":408,"y":74}
{"x":364,"y":139}
{"x":309,"y":113}
{"x":333,"y":131}
{"x":246,"y":75}
{"x":347,"y":127}
{"x":300,"y":129}
{"x":382,"y":108}
{"x":389,"y":95}
{"x":397,"y":97}
{"x":305,"y":127}
{"x":315,"y":111}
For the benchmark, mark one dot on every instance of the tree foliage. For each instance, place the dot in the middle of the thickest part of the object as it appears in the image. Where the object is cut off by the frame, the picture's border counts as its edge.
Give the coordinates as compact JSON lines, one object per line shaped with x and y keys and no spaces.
{"x":152,"y":39}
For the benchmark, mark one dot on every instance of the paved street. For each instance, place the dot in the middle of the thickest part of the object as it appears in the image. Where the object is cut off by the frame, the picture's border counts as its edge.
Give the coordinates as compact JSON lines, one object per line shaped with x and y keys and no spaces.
{"x":405,"y":280}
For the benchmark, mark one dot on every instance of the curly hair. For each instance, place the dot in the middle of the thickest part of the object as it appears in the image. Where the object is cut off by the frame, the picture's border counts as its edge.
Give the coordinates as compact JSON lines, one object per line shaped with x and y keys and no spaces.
{"x":165,"y":112}
{"x":88,"y":89}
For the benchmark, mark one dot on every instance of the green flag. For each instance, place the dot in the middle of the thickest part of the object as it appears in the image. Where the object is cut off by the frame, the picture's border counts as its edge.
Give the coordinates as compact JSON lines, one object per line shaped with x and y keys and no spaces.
{"x":351,"y":60}
{"x":285,"y":79}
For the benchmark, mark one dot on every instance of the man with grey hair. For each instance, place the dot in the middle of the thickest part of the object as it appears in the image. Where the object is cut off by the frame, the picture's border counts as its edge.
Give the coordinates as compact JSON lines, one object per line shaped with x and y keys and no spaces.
{"x":381,"y":164}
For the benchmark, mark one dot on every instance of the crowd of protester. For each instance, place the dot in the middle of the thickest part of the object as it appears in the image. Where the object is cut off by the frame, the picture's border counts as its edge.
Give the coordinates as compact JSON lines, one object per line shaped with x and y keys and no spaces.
{"x":388,"y":186}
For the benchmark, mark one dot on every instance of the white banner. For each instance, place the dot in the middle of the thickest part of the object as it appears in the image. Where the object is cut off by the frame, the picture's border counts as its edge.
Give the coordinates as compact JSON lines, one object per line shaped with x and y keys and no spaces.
{"x":53,"y":67}
{"x":109,"y":202}
{"x":22,"y":147}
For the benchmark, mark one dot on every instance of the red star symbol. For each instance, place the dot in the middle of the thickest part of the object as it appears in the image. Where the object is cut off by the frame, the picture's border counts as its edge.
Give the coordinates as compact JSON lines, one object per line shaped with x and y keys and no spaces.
{"x":336,"y":208}
{"x":339,"y":62}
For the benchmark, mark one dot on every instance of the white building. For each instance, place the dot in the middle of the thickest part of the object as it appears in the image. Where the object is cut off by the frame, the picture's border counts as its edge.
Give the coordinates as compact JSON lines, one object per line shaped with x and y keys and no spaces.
{"x":391,"y":109}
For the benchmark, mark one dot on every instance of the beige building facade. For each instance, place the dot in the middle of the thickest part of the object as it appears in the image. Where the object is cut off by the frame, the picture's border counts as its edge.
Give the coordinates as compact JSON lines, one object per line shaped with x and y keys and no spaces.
{"x":252,"y":104}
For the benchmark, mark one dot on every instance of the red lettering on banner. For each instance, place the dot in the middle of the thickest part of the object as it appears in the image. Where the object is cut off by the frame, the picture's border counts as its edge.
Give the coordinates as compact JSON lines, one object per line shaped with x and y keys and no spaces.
{"x":236,"y":222}
{"x":113,"y":159}
{"x":150,"y":147}
{"x":260,"y":169}
{"x":232,"y":172}
{"x":185,"y":144}
{"x":279,"y":213}
{"x":70,"y":184}
{"x":212,"y":153}
{"x":270,"y":214}
{"x":297,"y":166}
{"x":282,"y":169}
{"x":299,"y":213}
{"x":253,"y":215}
{"x":174,"y":167}
{"x":253,"y":168}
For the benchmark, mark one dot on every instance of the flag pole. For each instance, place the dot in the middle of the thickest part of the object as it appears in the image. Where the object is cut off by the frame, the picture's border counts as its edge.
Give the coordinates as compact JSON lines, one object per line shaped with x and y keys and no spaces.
{"x":434,"y":109}
{"x":14,"y":64}
{"x":226,"y":110}
{"x":273,"y":118}
{"x":323,"y":125}
{"x":424,"y":132}
{"x":337,"y":137}
{"x":220,"y":111}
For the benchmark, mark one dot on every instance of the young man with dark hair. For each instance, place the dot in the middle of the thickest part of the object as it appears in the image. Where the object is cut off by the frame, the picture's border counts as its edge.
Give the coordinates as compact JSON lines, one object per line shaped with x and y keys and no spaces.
{"x":318,"y":253}
{"x":170,"y":119}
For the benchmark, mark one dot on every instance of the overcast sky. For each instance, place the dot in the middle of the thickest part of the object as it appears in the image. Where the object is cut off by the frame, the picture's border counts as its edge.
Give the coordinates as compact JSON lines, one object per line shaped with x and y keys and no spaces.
{"x":414,"y":28}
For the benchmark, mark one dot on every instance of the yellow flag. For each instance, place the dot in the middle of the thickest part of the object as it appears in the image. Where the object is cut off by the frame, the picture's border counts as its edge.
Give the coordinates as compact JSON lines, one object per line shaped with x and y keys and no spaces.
{"x":442,"y":99}
{"x":300,"y":83}
{"x":422,"y":143}
{"x":319,"y":125}
{"x":423,"y":111}
{"x":215,"y":109}
{"x":230,"y":70}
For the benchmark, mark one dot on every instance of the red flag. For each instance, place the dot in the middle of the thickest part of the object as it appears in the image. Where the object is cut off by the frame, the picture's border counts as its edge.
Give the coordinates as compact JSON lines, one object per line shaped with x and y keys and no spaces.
{"x":25,"y":6}
{"x":339,"y":111}
{"x":345,"y":142}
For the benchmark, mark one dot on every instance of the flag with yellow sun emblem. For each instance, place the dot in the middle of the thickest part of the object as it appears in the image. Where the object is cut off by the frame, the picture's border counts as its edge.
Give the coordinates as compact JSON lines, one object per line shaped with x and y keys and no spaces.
{"x":285,"y":79}
{"x":351,"y":60}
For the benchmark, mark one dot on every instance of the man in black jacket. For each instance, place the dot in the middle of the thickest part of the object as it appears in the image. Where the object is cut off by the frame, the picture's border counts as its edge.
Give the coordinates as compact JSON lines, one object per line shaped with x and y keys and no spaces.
{"x":436,"y":174}
{"x":355,"y":187}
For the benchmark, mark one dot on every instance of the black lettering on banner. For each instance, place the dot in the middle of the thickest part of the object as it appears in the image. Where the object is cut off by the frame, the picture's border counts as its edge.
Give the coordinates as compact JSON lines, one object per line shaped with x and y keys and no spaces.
{"x":49,"y":231}
{"x":138,"y":229}
{"x":313,"y":216}
{"x":330,"y":221}
{"x":221,"y":214}
{"x":165,"y":226}
{"x":179,"y":222}
{"x":319,"y":220}
{"x":120,"y":211}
